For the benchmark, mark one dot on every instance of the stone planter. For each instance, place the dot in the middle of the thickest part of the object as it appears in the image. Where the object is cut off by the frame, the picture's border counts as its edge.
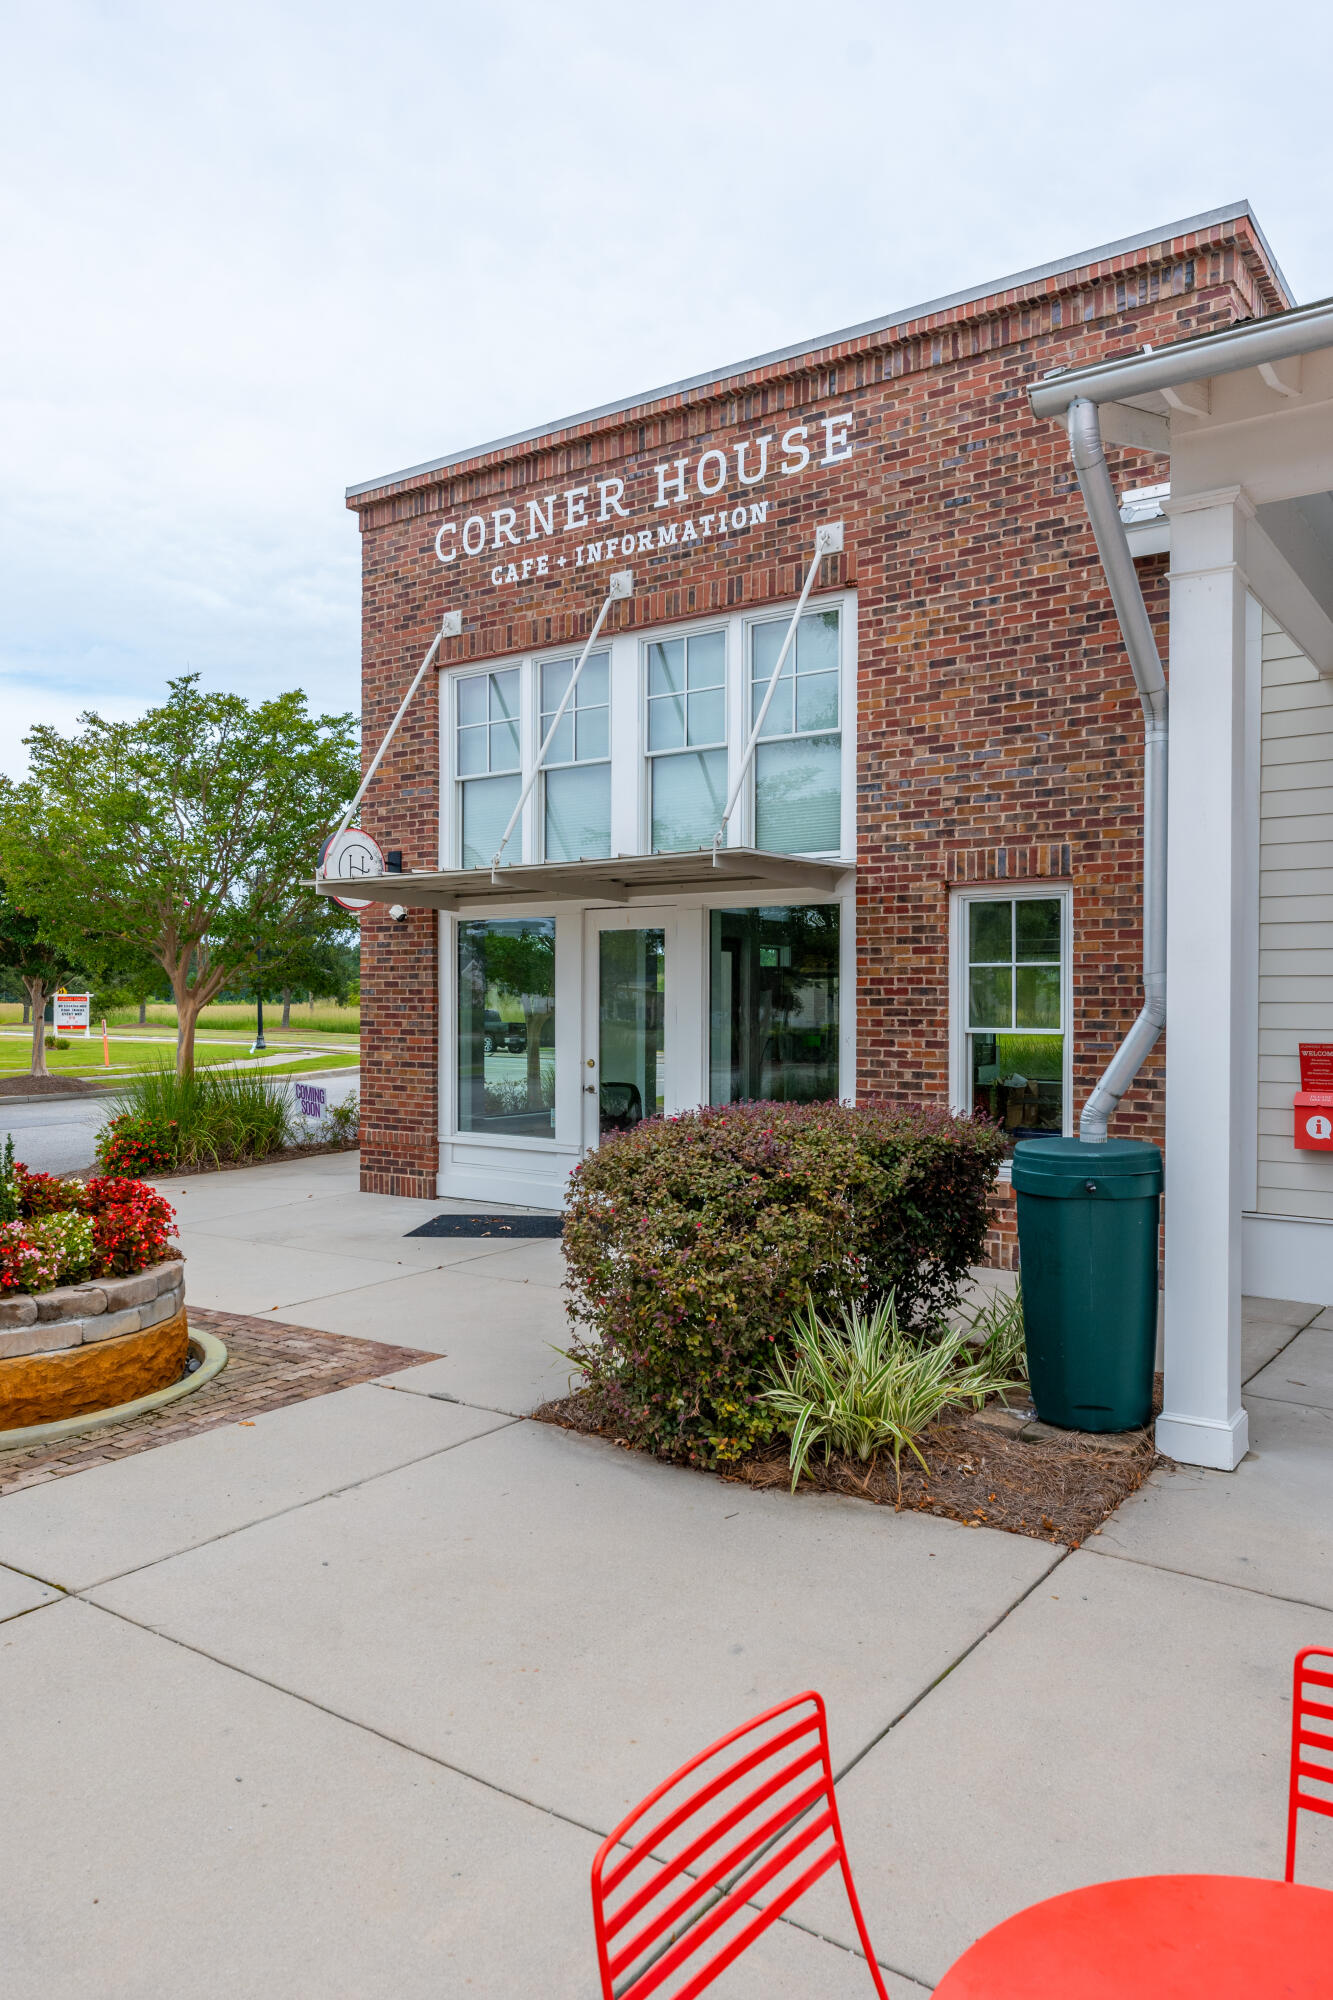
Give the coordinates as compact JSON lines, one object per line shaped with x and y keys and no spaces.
{"x":81,"y":1348}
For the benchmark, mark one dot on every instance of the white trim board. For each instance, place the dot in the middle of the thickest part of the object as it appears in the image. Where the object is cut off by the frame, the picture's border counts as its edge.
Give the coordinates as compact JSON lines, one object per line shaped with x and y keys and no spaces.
{"x":1287,"y":1257}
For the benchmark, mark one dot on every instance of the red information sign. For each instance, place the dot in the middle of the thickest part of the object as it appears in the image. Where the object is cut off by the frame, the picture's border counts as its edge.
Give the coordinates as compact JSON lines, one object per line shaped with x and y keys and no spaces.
{"x":1316,"y":1065}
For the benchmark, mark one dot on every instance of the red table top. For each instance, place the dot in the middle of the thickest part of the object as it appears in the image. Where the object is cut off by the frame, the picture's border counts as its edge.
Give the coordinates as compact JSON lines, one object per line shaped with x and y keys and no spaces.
{"x":1158,"y":1937}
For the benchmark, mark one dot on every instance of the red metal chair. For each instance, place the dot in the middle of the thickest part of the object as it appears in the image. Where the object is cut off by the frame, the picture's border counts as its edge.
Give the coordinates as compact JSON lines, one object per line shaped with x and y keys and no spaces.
{"x":753,"y":1814}
{"x":1311,"y":1749}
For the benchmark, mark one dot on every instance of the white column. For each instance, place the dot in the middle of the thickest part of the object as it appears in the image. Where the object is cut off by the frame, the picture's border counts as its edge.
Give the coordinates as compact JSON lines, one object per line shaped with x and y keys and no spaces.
{"x":1203,"y":1422}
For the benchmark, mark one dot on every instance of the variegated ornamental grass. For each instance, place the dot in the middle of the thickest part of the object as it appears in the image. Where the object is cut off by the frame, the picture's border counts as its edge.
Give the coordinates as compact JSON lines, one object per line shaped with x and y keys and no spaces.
{"x":859,"y":1384}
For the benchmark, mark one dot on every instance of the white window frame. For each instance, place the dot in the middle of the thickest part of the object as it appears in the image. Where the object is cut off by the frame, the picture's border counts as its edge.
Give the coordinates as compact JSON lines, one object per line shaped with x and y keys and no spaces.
{"x":846,"y":688}
{"x":1033,"y":888}
{"x":631,"y":799}
{"x":534,"y":665}
{"x":694,"y":628}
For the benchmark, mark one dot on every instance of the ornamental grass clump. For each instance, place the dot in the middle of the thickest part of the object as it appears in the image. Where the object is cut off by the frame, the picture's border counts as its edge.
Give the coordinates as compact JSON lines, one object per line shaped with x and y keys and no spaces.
{"x":860,"y":1385}
{"x":693,"y":1242}
{"x":163,"y":1121}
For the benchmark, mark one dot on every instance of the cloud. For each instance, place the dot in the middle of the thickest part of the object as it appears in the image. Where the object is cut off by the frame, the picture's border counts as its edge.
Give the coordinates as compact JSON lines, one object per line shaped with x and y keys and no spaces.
{"x":258,"y":253}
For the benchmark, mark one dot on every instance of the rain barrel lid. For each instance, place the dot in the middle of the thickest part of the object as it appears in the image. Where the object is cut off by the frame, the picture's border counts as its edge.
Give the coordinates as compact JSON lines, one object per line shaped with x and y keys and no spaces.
{"x":1074,"y":1169}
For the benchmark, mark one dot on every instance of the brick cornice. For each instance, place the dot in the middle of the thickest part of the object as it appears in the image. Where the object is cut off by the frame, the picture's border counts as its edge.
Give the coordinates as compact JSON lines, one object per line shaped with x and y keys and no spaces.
{"x":1060,"y":304}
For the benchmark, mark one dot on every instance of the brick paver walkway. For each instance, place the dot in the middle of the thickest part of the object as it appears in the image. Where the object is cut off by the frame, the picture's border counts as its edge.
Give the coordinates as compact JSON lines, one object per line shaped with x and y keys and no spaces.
{"x":268,"y":1365}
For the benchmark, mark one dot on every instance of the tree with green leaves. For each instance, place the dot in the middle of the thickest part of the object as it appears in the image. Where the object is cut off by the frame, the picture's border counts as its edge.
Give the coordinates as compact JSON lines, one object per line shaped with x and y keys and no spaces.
{"x":183,"y":837}
{"x":43,"y":967}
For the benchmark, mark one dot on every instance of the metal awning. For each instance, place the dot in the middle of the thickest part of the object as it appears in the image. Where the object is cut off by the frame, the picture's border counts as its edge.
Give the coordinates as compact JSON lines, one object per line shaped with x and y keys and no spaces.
{"x":626,"y":878}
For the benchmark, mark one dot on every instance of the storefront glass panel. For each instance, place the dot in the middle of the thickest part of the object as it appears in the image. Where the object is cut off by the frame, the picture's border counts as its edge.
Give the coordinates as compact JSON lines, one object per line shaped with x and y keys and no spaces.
{"x":797,"y":766}
{"x":773,"y":1004}
{"x":632,"y":1017}
{"x":506,"y":1028}
{"x":689,"y":799}
{"x":487,"y":804}
{"x":1015,"y":1013}
{"x":577,"y":781}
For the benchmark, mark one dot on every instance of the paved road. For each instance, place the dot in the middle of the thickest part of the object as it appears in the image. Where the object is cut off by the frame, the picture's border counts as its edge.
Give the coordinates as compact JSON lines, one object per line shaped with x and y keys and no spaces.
{"x":56,"y":1135}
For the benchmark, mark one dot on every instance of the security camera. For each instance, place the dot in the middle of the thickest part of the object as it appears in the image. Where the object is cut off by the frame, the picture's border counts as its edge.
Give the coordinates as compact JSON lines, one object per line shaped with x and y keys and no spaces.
{"x":397,"y":914}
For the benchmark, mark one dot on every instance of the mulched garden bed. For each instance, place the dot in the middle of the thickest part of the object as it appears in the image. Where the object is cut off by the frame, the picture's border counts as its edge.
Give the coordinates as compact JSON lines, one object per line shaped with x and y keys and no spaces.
{"x":304,"y":1152}
{"x":51,"y":1086}
{"x":1058,"y":1486}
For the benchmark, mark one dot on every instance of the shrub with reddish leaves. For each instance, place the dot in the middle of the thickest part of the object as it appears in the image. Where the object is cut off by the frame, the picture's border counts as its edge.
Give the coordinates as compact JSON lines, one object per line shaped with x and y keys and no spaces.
{"x":41,"y":1194}
{"x":692,"y":1242}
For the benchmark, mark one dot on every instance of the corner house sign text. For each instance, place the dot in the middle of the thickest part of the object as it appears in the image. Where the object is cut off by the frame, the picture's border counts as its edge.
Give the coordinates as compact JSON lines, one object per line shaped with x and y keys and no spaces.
{"x":720,"y":476}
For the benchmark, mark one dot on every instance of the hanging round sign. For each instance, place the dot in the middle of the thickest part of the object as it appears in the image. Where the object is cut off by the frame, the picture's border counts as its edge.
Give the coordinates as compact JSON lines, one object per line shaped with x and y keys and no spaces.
{"x":350,"y":857}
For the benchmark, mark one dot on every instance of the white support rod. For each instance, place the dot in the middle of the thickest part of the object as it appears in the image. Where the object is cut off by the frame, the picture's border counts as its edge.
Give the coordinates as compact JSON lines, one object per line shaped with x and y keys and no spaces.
{"x":828,"y":540}
{"x":450,"y":626}
{"x":620,"y":587}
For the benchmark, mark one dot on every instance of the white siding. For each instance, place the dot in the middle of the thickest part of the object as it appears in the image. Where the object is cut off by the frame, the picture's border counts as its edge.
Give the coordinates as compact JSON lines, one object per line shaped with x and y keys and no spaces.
{"x":1295,"y":916}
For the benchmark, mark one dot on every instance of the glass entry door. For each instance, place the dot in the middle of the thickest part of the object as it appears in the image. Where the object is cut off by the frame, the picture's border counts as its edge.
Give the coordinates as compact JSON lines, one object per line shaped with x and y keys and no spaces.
{"x":627,"y":1020}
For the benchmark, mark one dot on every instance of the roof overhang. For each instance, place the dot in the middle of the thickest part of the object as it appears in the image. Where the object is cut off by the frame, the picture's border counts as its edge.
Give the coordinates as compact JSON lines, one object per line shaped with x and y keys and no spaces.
{"x":627,"y":878}
{"x":1139,"y":393}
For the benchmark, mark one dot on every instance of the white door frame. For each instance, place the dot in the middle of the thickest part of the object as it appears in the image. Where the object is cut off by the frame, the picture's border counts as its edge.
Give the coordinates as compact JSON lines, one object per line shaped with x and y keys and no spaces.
{"x":632,"y":918}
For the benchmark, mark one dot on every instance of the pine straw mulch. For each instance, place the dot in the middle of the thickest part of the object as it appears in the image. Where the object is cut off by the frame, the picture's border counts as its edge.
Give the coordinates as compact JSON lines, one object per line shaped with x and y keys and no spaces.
{"x":1058,"y":1486}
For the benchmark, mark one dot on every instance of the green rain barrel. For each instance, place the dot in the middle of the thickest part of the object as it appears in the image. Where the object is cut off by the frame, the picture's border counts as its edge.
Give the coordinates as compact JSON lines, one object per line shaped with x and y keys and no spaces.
{"x":1087,"y":1247}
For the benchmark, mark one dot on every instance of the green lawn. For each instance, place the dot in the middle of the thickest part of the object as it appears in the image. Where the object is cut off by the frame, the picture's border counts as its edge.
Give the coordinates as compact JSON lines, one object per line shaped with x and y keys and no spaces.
{"x":132,"y":1049}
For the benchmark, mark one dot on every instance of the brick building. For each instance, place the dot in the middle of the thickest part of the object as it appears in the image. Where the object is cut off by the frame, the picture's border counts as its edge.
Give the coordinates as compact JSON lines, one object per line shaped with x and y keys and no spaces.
{"x":928,"y":885}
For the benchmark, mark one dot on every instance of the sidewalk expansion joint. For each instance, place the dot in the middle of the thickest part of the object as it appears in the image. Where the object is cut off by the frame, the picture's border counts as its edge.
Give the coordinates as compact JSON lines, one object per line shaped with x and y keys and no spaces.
{"x":596,"y":1833}
{"x":955,"y":1663}
{"x":243,"y":1527}
{"x":1218,"y":1582}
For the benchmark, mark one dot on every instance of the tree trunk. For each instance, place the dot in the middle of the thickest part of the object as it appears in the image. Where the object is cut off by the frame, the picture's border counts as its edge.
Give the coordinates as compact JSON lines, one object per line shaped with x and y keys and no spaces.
{"x":27,"y":1012}
{"x":37,"y":1002}
{"x":143,"y":1013}
{"x":187,"y":1014}
{"x":286,"y":1006}
{"x":310,"y":998}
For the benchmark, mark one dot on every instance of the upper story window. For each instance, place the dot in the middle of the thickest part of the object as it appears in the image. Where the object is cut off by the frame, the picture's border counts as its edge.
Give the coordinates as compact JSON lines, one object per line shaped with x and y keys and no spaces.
{"x":1014,"y":1000}
{"x":687,"y":737}
{"x":488,"y":746}
{"x":576,"y":782}
{"x":652,"y":742}
{"x":798,"y":758}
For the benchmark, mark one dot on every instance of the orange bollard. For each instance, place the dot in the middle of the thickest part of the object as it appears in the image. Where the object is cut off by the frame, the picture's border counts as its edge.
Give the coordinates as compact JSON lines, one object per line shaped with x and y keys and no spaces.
{"x":106,"y":1046}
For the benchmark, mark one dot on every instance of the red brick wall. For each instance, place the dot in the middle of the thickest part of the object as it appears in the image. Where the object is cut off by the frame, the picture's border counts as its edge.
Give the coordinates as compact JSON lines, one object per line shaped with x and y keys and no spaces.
{"x":999,"y":732}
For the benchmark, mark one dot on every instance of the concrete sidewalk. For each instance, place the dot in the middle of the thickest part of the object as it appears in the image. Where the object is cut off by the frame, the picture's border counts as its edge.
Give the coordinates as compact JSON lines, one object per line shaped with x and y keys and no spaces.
{"x":341,"y":1701}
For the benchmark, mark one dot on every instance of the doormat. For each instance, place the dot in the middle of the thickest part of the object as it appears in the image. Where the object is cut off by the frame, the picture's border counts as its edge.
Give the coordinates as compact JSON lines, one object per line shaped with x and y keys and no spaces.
{"x":491,"y":1225}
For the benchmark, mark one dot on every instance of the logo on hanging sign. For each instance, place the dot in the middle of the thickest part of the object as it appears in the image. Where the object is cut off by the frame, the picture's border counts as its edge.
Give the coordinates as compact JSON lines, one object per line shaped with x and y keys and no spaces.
{"x":351,"y":857}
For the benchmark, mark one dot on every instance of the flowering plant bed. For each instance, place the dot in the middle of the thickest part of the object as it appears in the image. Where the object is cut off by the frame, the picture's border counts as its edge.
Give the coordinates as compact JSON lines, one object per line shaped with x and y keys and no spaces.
{"x":56,"y":1231}
{"x":92,"y":1301}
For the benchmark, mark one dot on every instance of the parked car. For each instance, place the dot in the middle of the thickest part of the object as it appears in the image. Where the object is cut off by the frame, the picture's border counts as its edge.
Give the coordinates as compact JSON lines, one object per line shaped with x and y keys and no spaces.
{"x":497,"y":1033}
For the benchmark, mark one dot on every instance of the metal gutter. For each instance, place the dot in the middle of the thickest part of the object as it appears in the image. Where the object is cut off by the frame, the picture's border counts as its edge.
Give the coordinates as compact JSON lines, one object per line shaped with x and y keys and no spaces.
{"x":1248,"y":345}
{"x":1118,"y":563}
{"x":1124,"y":246}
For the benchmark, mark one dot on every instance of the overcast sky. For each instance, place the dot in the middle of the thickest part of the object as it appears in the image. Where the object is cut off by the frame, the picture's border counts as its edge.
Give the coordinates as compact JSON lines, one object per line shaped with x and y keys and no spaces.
{"x":253,"y":254}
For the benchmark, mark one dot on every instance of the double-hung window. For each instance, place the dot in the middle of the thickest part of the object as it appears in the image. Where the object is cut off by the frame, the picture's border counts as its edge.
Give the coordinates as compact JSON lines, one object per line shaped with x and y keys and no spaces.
{"x":489,"y":760}
{"x":798,"y":758}
{"x":1013,"y":964}
{"x":687,"y":736}
{"x":576,"y":780}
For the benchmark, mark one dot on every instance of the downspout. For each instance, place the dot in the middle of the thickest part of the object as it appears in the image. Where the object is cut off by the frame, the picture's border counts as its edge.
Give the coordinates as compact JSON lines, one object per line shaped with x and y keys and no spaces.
{"x":1085,"y":438}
